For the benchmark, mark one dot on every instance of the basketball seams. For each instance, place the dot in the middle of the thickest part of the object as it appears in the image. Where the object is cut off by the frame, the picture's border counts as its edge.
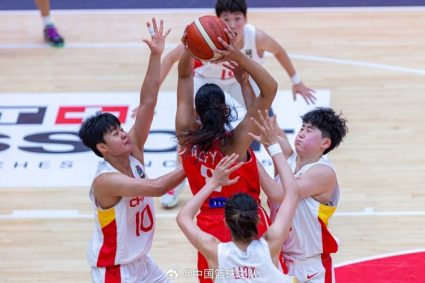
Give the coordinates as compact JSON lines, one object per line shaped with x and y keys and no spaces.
{"x":207,"y":38}
{"x":202,"y":36}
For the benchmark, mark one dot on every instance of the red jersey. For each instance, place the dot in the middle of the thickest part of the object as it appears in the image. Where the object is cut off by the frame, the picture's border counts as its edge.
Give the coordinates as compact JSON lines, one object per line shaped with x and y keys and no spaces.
{"x":199,"y":165}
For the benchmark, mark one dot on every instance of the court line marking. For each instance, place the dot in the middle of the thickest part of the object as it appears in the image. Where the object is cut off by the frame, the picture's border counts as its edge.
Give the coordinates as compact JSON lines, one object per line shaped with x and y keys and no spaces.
{"x":75,"y":214}
{"x":378,"y":257}
{"x":357,"y":63}
{"x":104,"y":45}
{"x":211,"y":10}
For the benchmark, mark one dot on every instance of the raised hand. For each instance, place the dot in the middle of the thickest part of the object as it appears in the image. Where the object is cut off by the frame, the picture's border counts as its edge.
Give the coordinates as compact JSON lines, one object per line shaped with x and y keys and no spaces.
{"x":231,"y":52}
{"x":157,"y":42}
{"x":267,"y":126}
{"x":305,"y":92}
{"x":224,"y":168}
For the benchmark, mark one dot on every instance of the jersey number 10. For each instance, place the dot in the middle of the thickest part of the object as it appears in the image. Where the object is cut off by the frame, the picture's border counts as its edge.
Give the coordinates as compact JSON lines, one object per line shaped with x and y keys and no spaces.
{"x":144,"y":220}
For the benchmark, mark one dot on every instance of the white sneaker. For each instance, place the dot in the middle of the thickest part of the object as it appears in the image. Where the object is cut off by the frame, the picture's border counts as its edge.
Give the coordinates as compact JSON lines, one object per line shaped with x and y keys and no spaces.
{"x":171,"y":199}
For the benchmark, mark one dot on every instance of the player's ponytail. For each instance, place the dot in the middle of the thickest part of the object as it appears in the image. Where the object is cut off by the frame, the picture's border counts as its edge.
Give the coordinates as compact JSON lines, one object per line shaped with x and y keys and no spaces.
{"x":241,"y":214}
{"x":215,"y":116}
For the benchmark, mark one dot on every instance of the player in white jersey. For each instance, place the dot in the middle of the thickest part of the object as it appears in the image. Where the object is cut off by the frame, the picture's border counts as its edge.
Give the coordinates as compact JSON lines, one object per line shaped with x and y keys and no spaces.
{"x":254,"y":43}
{"x":121,"y":193}
{"x":246,"y":258}
{"x":309,"y":244}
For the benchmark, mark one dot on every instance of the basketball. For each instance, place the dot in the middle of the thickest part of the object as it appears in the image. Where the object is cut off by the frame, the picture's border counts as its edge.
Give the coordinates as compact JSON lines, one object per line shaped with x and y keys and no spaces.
{"x":201,"y":37}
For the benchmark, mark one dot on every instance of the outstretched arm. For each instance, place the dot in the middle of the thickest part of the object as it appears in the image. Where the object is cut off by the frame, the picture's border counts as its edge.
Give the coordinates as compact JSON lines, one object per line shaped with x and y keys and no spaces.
{"x":150,"y":87}
{"x":167,"y":63}
{"x":204,"y":242}
{"x":169,"y":60}
{"x":185,"y":115}
{"x":110,"y":187}
{"x":265,"y":42}
{"x":267,"y":86}
{"x":278,"y":231}
{"x":272,"y":189}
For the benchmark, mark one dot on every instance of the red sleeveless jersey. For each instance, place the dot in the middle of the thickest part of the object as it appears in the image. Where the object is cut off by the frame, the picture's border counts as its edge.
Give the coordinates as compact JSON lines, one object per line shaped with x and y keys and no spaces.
{"x":199,"y":165}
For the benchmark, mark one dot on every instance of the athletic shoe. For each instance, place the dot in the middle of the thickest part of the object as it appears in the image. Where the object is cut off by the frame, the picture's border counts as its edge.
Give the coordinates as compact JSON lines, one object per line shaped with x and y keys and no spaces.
{"x":52,"y":36}
{"x":171,"y":199}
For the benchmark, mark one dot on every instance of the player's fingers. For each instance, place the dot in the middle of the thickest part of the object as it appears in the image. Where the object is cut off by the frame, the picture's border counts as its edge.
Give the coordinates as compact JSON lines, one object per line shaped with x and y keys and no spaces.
{"x":273,"y":120}
{"x":229,"y":159}
{"x":306,"y":99}
{"x":228,"y":66}
{"x":255,"y":137}
{"x":222,"y":161}
{"x":155,"y":26}
{"x":233,"y":181}
{"x":161,"y":26}
{"x":224,"y":43}
{"x":234,"y":167}
{"x":259,"y":126}
{"x":148,"y":42}
{"x":231,"y":34}
{"x":262,"y":119}
{"x":230,"y":170}
{"x":269,"y":121}
{"x":167,"y":33}
{"x":150,"y":29}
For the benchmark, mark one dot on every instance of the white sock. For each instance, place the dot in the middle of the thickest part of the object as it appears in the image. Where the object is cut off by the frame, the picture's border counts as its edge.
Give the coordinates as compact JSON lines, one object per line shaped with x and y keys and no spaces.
{"x":47,"y":21}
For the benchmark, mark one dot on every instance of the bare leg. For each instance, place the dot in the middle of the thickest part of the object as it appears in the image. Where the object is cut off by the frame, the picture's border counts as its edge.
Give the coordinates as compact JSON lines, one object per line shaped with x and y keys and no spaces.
{"x":44,"y":7}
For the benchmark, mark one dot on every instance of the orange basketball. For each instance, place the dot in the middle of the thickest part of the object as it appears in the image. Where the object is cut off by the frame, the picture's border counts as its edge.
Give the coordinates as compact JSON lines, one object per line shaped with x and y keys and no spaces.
{"x":201,"y":36}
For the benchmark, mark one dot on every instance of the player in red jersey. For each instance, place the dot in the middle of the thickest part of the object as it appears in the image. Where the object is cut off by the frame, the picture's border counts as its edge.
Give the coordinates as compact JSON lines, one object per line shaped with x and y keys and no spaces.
{"x":207,"y":137}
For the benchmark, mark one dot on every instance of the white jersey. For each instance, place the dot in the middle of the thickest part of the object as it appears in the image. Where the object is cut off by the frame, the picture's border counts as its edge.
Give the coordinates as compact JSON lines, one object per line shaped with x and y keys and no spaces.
{"x":223,"y":77}
{"x":253,"y":265}
{"x":309,"y":236}
{"x":124,"y":232}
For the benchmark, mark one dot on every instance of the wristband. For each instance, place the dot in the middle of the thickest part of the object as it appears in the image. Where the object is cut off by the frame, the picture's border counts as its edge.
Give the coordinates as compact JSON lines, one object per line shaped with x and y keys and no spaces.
{"x":295,"y":79}
{"x":274,"y":149}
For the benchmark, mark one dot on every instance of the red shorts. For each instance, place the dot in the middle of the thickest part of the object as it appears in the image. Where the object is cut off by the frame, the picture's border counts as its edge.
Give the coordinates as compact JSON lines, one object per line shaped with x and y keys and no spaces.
{"x":212,"y":222}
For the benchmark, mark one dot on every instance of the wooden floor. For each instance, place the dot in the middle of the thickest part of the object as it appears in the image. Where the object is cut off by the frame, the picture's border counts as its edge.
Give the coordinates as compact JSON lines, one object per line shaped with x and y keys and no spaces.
{"x":372,"y":61}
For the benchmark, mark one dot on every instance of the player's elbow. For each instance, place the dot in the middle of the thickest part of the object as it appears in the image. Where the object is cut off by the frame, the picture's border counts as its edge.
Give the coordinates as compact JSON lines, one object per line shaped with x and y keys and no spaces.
{"x":275,"y":197}
{"x":270,"y":88}
{"x":181,"y":220}
{"x":273,"y":86}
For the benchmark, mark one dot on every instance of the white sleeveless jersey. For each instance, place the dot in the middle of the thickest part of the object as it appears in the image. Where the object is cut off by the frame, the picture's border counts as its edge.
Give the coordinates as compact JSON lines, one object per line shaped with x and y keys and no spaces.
{"x":253,"y":265}
{"x":223,"y":77}
{"x":124,"y":232}
{"x":309,"y":235}
{"x":218,"y":72}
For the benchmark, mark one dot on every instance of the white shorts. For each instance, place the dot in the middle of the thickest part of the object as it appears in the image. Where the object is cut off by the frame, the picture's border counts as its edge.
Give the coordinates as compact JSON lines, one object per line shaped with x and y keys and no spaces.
{"x":312,"y":270}
{"x":142,"y":270}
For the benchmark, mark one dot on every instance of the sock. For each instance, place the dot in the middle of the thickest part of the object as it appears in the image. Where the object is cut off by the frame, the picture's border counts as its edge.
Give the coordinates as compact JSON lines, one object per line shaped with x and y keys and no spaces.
{"x":47,"y":21}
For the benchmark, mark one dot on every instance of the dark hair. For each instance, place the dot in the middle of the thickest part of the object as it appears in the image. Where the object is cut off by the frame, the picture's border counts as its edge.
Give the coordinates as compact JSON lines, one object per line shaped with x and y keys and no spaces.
{"x":93,"y":129}
{"x":230,"y":6}
{"x":215,"y":115}
{"x":241,"y":214}
{"x":331,"y":125}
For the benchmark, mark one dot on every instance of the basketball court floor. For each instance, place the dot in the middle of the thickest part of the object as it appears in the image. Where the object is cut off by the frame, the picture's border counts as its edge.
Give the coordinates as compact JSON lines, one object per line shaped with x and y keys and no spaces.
{"x":371,"y":61}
